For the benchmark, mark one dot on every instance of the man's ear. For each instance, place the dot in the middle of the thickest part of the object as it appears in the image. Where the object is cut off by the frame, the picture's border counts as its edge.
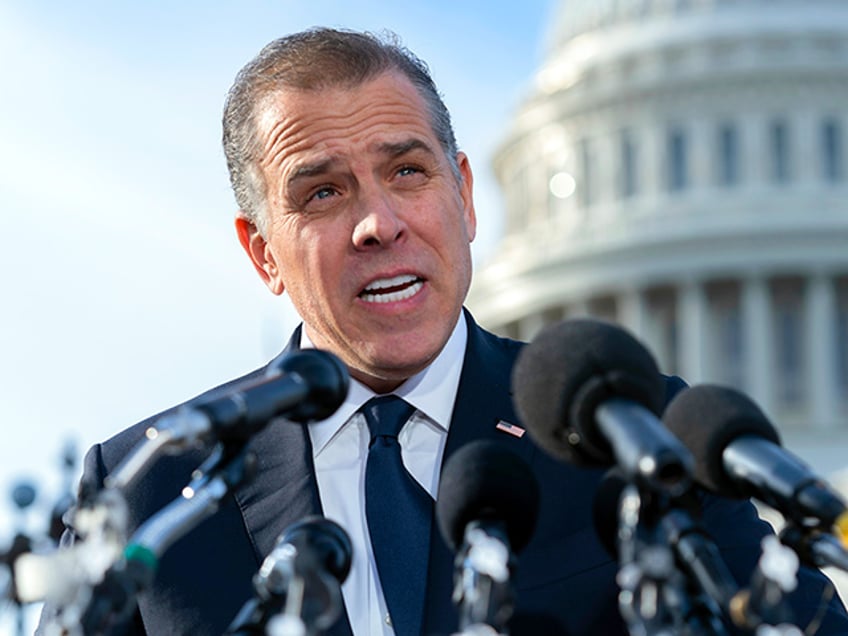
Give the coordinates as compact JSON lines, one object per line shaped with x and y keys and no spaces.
{"x":466,"y":188}
{"x":260,"y":253}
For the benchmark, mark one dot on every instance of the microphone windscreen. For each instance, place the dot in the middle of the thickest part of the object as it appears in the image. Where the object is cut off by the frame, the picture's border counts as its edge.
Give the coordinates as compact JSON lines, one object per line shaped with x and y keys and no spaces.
{"x":326,"y":540}
{"x":325,"y":375}
{"x":484,"y":481}
{"x":707,"y":418}
{"x":567,"y":371}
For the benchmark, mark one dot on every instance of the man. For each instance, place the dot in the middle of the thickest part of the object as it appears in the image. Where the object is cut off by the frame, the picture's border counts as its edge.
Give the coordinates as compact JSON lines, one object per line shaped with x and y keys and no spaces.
{"x":355,"y":201}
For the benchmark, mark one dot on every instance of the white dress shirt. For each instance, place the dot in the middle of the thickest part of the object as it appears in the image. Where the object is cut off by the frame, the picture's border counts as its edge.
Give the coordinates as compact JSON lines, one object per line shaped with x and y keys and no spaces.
{"x":340,"y":450}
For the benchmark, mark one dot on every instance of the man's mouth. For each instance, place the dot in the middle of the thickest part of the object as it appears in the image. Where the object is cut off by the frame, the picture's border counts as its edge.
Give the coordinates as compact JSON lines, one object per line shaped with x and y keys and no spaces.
{"x":392,"y":290}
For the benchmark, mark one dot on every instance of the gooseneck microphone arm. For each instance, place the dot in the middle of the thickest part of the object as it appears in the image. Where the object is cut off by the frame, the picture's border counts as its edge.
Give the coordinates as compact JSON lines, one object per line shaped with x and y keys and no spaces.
{"x":113,"y":599}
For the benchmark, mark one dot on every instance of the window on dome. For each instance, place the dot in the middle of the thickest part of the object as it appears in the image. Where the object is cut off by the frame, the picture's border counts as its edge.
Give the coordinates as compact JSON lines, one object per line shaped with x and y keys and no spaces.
{"x":779,"y":147}
{"x":585,"y":186}
{"x":627,"y":182}
{"x":831,"y":150}
{"x":728,"y":155}
{"x":677,"y":169}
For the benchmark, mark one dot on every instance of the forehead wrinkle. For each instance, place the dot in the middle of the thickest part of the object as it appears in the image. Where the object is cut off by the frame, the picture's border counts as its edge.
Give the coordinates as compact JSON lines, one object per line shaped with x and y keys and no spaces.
{"x":289,"y":136}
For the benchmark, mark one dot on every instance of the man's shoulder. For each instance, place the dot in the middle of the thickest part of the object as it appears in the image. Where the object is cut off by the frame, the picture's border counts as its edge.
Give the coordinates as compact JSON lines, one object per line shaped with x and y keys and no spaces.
{"x":486,"y":343}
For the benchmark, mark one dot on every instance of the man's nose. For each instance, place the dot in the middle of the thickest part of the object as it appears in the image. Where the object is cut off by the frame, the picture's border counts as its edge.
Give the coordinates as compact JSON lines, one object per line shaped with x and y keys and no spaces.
{"x":379,"y":223}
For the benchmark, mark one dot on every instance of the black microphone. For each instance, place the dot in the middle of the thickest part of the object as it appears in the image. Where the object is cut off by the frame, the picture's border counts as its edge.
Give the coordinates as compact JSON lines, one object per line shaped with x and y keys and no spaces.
{"x":486,"y":511}
{"x":590,"y":394}
{"x":299,"y":581}
{"x":307,"y":385}
{"x":738,"y":454}
{"x":303,"y":386}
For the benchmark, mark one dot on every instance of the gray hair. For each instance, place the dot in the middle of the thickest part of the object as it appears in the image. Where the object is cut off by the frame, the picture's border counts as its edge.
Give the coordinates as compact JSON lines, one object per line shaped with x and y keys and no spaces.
{"x":315,"y":59}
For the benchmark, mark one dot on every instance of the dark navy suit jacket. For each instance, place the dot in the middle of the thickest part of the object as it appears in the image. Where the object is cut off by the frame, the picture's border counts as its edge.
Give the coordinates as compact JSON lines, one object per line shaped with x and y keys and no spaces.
{"x":565,"y":578}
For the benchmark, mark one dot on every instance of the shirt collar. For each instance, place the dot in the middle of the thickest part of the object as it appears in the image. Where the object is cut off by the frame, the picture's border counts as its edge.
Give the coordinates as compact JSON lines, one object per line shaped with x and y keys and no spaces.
{"x":431,"y":391}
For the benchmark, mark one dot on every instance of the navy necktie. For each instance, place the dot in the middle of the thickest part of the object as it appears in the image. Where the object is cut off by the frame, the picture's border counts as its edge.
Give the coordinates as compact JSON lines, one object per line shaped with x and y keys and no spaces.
{"x":399,"y":513}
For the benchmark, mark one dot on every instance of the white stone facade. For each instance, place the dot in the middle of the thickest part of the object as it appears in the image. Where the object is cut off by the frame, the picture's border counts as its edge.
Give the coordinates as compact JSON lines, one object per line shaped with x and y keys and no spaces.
{"x":681,"y":166}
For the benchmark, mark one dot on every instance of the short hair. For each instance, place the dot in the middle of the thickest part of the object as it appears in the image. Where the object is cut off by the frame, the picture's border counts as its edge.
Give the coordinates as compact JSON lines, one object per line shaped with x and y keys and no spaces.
{"x":315,"y":59}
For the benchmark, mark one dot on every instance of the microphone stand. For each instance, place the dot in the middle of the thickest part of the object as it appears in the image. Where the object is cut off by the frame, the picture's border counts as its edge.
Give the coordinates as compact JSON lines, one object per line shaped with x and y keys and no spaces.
{"x":298,"y":586}
{"x":112,"y":600}
{"x":483,"y":589}
{"x":655,"y":596}
{"x":814,"y":547}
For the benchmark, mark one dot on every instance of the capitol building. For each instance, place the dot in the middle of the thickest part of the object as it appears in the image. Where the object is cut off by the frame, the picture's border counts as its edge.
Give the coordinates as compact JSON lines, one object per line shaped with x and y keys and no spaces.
{"x":681,"y":167}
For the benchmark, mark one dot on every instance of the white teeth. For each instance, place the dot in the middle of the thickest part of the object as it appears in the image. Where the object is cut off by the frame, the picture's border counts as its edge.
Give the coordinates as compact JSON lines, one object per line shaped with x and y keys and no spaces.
{"x":403,"y":279}
{"x":394,"y":297}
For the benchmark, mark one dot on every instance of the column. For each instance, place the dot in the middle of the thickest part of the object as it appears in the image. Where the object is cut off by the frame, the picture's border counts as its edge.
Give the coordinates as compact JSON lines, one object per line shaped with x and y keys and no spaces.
{"x":632,"y":312}
{"x":578,"y":309}
{"x":530,"y":325}
{"x":820,"y":347}
{"x":759,"y":341}
{"x":692,"y":323}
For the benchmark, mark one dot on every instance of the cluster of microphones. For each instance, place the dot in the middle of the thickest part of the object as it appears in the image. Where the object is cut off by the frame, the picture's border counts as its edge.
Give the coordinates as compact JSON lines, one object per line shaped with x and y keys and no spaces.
{"x":589,"y":394}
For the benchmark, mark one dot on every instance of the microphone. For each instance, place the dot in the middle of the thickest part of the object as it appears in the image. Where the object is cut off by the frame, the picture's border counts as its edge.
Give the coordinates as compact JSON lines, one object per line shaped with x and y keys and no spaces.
{"x":298,"y":586}
{"x":590,"y":393}
{"x":486,"y":511}
{"x":738,"y":454}
{"x":306,"y":385}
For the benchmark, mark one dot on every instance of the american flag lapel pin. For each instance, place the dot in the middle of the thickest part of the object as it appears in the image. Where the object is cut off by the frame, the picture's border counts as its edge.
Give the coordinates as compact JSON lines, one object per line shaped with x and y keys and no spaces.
{"x":512,"y":429}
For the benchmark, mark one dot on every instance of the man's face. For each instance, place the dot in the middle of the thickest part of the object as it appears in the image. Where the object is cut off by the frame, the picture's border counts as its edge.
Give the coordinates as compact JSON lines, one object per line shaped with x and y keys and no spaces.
{"x":369,"y":230}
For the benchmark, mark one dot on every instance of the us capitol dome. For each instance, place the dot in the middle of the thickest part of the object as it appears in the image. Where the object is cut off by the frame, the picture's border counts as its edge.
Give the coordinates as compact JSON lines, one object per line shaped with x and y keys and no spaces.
{"x":679,"y":166}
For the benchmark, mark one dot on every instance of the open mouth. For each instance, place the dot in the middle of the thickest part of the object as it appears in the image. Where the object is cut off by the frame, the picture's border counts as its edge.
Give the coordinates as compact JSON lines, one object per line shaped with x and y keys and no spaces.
{"x":392,"y":290}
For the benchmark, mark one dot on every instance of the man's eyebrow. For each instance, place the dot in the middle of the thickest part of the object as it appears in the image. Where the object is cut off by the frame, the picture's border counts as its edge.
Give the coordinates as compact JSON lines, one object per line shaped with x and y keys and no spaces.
{"x":400,"y":148}
{"x":311,"y":169}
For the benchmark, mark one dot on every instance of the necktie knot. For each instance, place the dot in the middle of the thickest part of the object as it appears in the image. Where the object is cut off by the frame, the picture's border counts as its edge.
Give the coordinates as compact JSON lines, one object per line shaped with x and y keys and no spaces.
{"x":386,"y":415}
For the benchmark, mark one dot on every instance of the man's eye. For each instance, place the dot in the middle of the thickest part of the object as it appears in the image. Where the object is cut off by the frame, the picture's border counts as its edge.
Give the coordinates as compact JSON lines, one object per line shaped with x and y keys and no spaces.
{"x":408,"y":170}
{"x":323,"y":193}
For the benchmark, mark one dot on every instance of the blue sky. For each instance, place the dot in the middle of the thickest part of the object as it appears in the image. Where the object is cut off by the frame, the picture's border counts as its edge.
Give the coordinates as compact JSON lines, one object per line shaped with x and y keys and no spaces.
{"x":125,"y":288}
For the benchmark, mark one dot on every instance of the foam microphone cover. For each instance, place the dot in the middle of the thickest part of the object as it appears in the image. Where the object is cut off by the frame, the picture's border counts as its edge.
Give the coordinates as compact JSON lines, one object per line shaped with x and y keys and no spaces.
{"x":327,"y":378}
{"x":567,"y":371}
{"x":484,"y":481}
{"x":707,"y":418}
